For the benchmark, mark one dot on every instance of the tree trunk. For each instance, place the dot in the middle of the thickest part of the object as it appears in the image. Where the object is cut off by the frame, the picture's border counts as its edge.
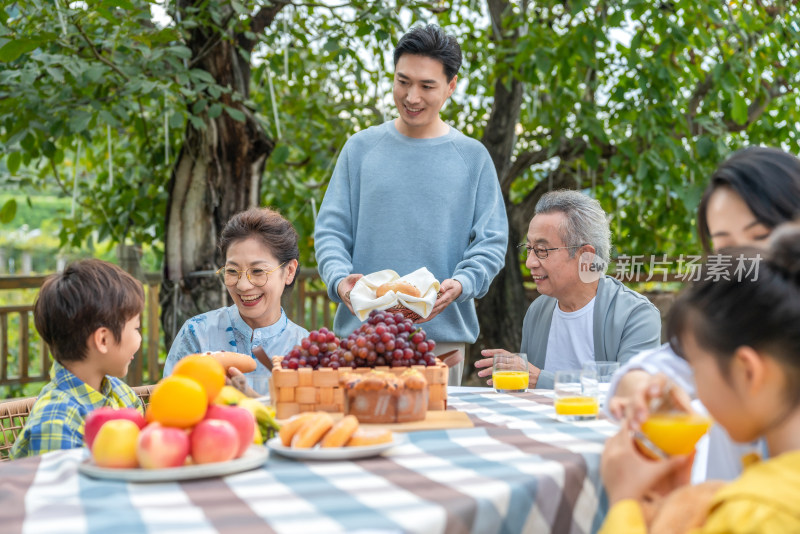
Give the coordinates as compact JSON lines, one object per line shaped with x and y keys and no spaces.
{"x":217,"y":174}
{"x":501,"y":311}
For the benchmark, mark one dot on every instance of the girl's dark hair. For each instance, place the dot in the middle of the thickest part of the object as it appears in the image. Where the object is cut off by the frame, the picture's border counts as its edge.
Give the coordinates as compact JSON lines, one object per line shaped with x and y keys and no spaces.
{"x":266,"y":225}
{"x":753,"y":301}
{"x":433,"y":42}
{"x":88,"y":295}
{"x":767,"y":179}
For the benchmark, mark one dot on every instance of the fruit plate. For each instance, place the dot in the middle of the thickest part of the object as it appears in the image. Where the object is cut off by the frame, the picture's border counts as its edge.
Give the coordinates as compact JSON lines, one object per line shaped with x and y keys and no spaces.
{"x":333,"y":453}
{"x":254,"y":457}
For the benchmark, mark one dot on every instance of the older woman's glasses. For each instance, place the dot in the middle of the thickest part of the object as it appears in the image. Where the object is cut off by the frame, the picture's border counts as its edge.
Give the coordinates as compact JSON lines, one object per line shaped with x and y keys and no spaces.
{"x":255,"y":275}
{"x":541,"y":251}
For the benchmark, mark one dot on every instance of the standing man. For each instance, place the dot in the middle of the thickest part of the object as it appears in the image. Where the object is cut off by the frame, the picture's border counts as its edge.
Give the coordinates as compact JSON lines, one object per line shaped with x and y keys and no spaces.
{"x":582,"y":315}
{"x":415,"y":192}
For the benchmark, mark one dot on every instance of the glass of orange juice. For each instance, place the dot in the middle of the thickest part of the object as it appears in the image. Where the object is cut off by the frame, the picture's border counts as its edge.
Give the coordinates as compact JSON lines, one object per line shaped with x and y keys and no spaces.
{"x":674,"y":432}
{"x":576,"y":395}
{"x":510,"y":372}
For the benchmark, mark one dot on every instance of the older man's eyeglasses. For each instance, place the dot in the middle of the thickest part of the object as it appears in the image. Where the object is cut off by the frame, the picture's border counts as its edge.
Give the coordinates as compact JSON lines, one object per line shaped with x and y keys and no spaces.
{"x":541,"y":251}
{"x":257,"y":276}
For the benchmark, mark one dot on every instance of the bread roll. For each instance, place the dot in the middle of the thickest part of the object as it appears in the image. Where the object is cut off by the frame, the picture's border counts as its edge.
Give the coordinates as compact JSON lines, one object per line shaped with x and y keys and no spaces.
{"x":365,"y":438}
{"x":312,"y":431}
{"x":341,"y":432}
{"x":243,"y":362}
{"x":292,"y":426}
{"x":398,"y":287}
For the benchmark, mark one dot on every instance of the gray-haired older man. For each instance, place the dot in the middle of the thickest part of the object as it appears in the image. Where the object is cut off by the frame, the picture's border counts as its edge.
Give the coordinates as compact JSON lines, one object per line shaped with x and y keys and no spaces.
{"x":582,"y":315}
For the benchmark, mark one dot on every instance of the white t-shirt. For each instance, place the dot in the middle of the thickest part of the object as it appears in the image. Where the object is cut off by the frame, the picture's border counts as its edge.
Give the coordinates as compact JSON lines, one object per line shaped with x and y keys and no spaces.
{"x":571,"y":340}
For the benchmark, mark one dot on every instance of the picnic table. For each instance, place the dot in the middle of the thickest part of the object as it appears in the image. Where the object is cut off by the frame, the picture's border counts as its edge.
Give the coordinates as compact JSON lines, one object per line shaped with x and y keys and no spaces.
{"x":517,"y":470}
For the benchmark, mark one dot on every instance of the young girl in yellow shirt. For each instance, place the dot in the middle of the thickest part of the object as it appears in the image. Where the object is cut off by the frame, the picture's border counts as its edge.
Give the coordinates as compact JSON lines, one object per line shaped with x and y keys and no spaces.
{"x":742,"y":338}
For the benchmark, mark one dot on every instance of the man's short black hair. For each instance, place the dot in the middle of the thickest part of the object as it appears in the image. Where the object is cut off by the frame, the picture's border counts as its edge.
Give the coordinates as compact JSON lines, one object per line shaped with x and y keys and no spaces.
{"x":433,"y":42}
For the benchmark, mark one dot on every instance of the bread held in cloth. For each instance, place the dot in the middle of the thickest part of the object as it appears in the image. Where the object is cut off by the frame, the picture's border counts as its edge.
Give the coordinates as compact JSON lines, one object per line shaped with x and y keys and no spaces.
{"x":398,"y":287}
{"x":364,"y":296}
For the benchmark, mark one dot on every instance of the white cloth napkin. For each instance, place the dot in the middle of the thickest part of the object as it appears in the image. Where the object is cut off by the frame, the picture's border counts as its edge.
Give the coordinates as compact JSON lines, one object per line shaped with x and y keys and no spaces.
{"x":363,"y":299}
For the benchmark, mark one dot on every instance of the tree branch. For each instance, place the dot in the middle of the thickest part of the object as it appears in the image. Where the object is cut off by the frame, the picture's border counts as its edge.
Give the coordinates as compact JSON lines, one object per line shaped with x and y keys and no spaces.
{"x":697,"y":97}
{"x":759,"y":105}
{"x":259,"y":22}
{"x":263,"y":19}
{"x":97,"y":54}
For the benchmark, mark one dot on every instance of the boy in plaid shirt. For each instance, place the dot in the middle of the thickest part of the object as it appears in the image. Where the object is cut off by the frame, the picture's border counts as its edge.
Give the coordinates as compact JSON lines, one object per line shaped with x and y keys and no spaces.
{"x":89,"y":316}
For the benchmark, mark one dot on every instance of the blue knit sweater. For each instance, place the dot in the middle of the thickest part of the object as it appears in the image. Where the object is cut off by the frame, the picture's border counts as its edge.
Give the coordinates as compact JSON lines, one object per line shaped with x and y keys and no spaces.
{"x":396,"y":202}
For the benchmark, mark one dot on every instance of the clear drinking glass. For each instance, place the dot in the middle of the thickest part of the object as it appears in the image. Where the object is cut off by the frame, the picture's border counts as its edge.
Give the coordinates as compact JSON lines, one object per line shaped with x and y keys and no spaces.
{"x":576,"y":395}
{"x":605,"y":371}
{"x":510,"y":372}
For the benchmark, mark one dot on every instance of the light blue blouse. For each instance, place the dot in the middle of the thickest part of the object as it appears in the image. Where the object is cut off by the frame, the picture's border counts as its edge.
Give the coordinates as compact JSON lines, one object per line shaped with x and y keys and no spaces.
{"x":224,"y":329}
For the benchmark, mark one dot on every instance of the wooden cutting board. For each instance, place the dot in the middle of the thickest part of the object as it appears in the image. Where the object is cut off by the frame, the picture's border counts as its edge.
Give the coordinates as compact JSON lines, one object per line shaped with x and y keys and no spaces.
{"x":434,"y":420}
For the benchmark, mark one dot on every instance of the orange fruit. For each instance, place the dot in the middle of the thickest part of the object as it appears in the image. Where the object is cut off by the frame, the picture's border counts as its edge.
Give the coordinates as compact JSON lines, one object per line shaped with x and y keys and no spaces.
{"x":177,"y":401}
{"x":208,"y":372}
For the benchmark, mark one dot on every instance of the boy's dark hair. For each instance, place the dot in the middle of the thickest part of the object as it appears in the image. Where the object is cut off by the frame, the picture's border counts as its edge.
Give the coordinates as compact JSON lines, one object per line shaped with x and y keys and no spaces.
{"x":767,"y":179}
{"x":433,"y":42}
{"x":266,"y":225}
{"x":88,"y":295}
{"x":760,"y":310}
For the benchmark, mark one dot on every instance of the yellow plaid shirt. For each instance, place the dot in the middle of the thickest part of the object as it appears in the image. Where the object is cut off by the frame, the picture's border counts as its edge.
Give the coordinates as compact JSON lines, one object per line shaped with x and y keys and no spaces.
{"x":57,"y":419}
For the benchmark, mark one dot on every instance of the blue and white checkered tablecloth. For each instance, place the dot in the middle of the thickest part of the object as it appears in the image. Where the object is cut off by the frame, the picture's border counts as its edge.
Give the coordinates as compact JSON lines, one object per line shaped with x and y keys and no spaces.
{"x":518,"y":470}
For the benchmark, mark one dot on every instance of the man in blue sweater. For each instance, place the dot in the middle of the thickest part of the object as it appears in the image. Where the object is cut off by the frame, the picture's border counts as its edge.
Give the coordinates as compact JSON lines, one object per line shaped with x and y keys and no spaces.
{"x":415,"y":192}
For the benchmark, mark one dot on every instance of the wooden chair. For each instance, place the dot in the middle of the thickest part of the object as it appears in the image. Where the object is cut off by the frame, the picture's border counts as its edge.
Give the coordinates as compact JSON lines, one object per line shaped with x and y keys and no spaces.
{"x":144,"y":393}
{"x":13,"y":415}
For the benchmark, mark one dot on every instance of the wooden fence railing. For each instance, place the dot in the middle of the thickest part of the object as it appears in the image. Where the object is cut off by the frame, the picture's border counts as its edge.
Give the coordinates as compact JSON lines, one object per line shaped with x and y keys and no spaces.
{"x":25,"y":358}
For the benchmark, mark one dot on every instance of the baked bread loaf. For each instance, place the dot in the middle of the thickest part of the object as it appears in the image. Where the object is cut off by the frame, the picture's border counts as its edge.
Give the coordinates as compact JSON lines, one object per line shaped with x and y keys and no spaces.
{"x":381,"y":397}
{"x":398,"y":287}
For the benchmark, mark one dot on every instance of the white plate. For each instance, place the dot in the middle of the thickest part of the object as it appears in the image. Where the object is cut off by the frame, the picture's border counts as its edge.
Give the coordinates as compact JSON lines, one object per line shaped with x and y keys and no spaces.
{"x":332,"y":453}
{"x":254,"y":457}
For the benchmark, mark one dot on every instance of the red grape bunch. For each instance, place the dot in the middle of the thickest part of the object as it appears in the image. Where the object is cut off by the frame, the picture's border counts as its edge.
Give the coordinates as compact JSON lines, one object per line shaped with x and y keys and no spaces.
{"x":319,"y":349}
{"x":385,"y":339}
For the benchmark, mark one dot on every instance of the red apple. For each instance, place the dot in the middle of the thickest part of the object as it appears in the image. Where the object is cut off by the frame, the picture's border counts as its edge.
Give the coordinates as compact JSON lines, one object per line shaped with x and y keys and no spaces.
{"x":98,"y":417}
{"x":214,"y":441}
{"x":241,"y":419}
{"x":162,"y":446}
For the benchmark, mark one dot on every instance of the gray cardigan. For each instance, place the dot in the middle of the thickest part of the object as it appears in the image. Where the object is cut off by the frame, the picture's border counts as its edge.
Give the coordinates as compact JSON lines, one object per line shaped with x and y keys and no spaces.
{"x":625,"y":324}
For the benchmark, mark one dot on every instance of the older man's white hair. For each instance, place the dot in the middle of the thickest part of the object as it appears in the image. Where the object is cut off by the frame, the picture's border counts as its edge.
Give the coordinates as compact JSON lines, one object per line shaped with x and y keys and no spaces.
{"x":585,"y":222}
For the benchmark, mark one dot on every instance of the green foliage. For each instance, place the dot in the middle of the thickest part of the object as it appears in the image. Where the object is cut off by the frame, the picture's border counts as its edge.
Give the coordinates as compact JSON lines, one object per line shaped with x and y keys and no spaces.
{"x":83,"y":93}
{"x":635,"y":102}
{"x":639,"y":101}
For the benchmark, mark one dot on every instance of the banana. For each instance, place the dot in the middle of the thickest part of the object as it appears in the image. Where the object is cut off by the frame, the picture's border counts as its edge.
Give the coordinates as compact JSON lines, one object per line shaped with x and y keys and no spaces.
{"x":264,"y":420}
{"x":229,"y":395}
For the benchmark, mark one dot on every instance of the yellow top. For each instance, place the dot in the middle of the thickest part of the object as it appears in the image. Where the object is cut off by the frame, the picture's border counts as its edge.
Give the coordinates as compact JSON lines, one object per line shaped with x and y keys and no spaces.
{"x":766,"y":498}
